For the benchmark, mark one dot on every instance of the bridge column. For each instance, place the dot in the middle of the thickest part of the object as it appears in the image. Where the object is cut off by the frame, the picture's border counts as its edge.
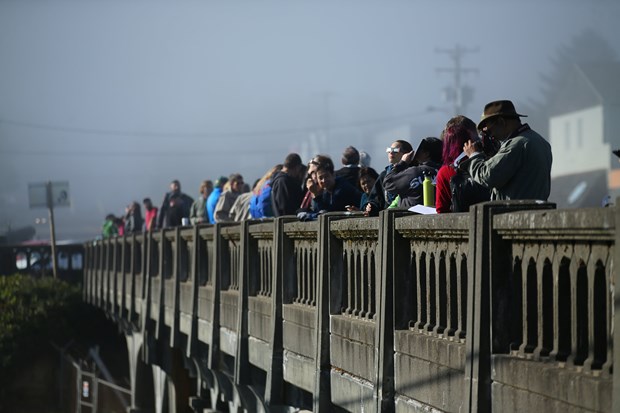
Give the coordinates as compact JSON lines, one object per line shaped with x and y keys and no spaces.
{"x":245,"y":397}
{"x":485,"y":299}
{"x":171,"y":373}
{"x":393,"y":248}
{"x":162,"y":385}
{"x":328,"y":256}
{"x":274,"y":386}
{"x":162,"y":391}
{"x":140,"y":376}
{"x":214,"y":389}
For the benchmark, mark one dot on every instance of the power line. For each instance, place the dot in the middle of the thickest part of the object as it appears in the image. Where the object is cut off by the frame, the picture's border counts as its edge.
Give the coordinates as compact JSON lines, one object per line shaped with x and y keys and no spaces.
{"x":133,"y":154}
{"x":239,"y":134}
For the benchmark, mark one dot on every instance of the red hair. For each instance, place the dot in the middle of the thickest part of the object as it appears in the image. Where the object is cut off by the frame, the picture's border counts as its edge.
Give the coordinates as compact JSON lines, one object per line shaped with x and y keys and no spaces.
{"x":458,"y":131}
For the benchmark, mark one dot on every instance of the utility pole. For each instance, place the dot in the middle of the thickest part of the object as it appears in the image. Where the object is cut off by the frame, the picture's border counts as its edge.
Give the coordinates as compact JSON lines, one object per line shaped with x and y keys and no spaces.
{"x":50,"y":206}
{"x":460,"y":95}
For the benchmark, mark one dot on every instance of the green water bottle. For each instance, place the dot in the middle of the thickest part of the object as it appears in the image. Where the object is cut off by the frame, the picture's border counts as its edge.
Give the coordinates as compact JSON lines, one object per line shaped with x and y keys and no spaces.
{"x":428,"y":189}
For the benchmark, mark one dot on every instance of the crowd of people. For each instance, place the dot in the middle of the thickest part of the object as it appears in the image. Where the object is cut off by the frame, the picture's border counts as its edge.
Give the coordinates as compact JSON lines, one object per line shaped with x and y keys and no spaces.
{"x":500,"y":158}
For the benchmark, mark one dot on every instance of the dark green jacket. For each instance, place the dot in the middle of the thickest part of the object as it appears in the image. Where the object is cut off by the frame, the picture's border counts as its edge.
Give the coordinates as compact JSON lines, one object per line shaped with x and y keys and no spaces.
{"x":521,"y":169}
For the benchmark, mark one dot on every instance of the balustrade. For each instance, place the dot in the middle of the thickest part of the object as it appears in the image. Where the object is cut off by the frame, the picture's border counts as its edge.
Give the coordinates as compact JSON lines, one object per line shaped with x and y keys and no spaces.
{"x":554,"y":301}
{"x":430,"y":287}
{"x":302,"y":282}
{"x":359,"y":238}
{"x":399,"y":312}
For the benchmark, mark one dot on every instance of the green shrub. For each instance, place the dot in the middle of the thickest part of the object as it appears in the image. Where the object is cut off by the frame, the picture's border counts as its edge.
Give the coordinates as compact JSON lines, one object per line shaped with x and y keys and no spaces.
{"x":34,"y":311}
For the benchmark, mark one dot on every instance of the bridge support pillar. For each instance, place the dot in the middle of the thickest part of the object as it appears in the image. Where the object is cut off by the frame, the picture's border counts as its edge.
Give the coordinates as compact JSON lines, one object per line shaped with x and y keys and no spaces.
{"x":136,"y":366}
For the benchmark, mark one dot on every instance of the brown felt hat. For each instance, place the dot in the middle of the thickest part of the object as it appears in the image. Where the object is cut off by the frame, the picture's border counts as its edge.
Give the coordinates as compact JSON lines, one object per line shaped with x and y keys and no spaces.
{"x":498,"y":108}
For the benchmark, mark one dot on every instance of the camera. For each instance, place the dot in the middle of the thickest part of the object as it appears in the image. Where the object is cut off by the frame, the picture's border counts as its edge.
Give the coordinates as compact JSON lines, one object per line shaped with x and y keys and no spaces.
{"x":490,"y":145}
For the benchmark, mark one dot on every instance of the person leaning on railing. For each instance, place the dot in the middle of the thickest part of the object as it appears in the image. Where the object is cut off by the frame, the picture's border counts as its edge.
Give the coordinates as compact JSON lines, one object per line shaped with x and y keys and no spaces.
{"x":336,"y":192}
{"x":379,"y":198}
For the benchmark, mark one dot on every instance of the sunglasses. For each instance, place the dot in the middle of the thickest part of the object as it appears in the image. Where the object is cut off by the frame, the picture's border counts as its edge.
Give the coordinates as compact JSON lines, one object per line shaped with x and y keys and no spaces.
{"x":392,"y":150}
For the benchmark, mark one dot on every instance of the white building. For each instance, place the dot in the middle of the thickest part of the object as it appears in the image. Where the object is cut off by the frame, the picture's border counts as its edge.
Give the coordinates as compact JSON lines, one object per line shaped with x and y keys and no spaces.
{"x":583,"y":130}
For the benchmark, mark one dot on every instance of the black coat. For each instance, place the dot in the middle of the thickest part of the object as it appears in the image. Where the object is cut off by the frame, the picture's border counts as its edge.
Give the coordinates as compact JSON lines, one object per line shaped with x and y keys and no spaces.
{"x":342,"y":195}
{"x":176,"y":205}
{"x":286,"y":194}
{"x":406,"y":181}
{"x":351,"y":175}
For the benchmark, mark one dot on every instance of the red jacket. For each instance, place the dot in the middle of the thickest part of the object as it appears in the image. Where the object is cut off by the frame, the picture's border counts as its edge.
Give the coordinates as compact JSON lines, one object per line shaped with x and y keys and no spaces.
{"x":443,"y":194}
{"x":150,"y":219}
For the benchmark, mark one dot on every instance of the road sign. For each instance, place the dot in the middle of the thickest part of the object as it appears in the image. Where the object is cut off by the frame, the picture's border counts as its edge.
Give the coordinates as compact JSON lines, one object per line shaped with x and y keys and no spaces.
{"x":37,"y":194}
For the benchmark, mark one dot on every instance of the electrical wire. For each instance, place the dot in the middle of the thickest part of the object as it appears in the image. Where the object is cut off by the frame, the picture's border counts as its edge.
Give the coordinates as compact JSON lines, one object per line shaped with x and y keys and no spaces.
{"x":238,"y":134}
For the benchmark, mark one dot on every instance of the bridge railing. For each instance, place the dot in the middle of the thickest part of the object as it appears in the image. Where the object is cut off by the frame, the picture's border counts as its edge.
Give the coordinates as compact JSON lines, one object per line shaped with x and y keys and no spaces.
{"x":461,"y":312}
{"x":157,"y":262}
{"x":298,"y":266}
{"x":430,"y":309}
{"x":122,"y":261}
{"x":229,"y":265}
{"x":350,"y":270}
{"x":108,"y":273}
{"x":134,"y":286}
{"x":552,"y":304}
{"x":184,"y":288}
{"x":358,"y":241}
{"x":207,"y":283}
{"x":258,"y":256}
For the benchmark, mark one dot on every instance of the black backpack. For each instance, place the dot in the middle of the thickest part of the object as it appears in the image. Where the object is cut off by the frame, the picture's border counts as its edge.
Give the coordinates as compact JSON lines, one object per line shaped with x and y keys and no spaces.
{"x":466,"y":192}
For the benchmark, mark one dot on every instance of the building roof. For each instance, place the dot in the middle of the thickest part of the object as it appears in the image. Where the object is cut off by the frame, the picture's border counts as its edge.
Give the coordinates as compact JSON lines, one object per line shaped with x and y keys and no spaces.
{"x":589,"y":84}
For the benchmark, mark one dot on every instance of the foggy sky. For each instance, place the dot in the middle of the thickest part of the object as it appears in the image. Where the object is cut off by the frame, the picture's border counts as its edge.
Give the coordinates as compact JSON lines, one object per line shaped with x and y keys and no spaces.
{"x":119,"y":97}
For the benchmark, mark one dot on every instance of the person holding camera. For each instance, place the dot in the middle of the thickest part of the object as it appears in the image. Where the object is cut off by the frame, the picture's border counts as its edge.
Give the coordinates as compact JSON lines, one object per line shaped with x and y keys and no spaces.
{"x":521,"y":168}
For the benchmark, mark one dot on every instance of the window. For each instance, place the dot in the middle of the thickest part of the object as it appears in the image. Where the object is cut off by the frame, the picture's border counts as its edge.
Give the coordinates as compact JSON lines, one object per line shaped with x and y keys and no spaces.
{"x":63,"y":261}
{"x":35,"y":257}
{"x":76,"y":261}
{"x":21,"y":261}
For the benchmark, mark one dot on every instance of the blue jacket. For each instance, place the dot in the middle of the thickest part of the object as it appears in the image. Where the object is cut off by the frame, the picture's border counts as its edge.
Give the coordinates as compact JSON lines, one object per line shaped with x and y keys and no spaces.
{"x":260,"y":205}
{"x":212,"y":202}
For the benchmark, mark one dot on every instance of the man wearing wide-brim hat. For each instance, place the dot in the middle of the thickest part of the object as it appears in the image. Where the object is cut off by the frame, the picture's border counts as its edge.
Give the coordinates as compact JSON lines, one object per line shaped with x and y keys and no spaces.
{"x":521,"y":169}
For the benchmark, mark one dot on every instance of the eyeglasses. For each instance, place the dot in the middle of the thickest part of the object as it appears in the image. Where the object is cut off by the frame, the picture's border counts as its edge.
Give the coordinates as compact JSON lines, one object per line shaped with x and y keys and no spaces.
{"x":389,"y":149}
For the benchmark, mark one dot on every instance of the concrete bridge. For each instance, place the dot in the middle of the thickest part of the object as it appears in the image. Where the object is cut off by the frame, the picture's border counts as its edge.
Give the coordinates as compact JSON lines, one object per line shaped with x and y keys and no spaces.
{"x":508,"y":308}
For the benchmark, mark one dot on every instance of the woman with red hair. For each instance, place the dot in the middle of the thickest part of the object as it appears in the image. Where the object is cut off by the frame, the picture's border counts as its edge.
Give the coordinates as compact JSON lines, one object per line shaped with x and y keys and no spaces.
{"x":459,"y":130}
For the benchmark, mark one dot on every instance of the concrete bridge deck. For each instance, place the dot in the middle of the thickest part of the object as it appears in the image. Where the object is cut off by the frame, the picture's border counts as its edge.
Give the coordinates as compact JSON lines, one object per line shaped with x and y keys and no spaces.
{"x":507,"y":308}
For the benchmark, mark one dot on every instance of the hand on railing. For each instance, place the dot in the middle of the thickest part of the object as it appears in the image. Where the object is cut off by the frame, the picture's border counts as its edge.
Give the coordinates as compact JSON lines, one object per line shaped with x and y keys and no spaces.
{"x":308,"y":215}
